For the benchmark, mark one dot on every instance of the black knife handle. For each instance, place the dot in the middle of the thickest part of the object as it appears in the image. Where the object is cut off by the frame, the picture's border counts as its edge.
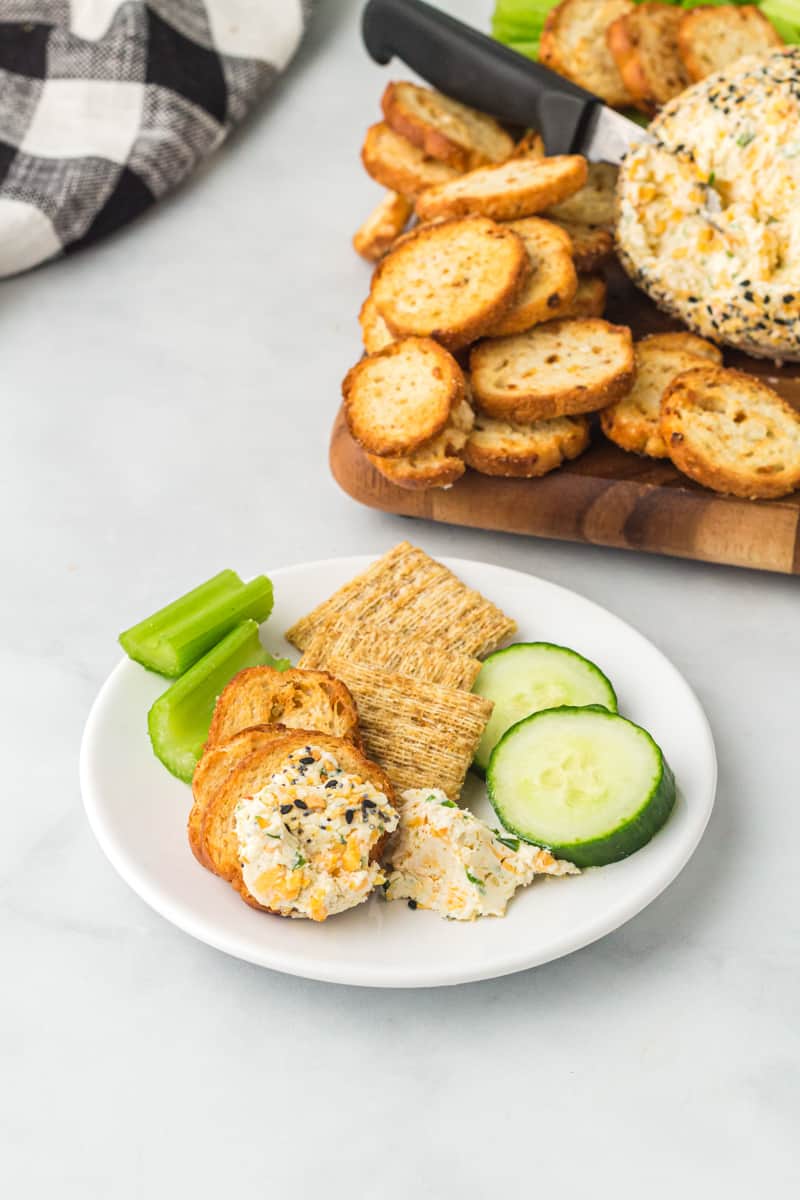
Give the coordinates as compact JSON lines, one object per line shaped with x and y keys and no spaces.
{"x":477,"y":70}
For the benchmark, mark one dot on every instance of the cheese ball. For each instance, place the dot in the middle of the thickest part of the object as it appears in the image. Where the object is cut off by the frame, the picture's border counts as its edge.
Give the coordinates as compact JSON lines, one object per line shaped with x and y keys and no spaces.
{"x":709,"y":213}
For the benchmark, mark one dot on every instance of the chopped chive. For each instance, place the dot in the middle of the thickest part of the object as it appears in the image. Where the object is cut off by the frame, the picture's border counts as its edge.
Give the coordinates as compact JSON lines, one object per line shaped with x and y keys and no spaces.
{"x":478,"y":882}
{"x":512,"y":843}
{"x":299,"y":861}
{"x":447,"y":803}
{"x":744,"y":139}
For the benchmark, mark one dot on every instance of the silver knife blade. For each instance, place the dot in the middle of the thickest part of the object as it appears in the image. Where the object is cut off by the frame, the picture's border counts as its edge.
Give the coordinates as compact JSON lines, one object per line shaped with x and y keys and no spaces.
{"x":609,"y":136}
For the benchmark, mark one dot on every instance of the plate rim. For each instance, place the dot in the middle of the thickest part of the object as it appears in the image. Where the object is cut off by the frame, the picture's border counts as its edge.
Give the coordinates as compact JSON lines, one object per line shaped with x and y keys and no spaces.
{"x":307,"y":967}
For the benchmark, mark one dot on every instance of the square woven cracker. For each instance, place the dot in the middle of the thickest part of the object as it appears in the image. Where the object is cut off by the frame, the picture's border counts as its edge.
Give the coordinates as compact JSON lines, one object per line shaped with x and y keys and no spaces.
{"x":378,"y":646}
{"x":423,"y":735}
{"x":409,"y":592}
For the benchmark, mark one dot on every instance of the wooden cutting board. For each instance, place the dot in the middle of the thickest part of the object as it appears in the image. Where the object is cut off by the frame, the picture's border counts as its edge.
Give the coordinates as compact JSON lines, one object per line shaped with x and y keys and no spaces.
{"x":606,"y":497}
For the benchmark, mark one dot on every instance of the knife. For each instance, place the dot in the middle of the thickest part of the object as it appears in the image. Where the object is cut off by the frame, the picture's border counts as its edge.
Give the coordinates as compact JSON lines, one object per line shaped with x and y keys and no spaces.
{"x":472,"y":68}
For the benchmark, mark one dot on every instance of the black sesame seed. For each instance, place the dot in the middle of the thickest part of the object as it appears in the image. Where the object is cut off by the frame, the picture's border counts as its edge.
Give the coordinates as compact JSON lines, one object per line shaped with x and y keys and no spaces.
{"x":749,"y":296}
{"x":332,"y":783}
{"x":367,"y":803}
{"x":412,"y":904}
{"x":349,"y":814}
{"x":788,"y":298}
{"x":286,"y":808}
{"x":308,"y":761}
{"x":300,"y":804}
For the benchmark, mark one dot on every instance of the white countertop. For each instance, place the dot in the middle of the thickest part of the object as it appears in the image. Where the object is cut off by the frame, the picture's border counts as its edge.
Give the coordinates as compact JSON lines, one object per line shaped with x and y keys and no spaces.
{"x":168,"y":398}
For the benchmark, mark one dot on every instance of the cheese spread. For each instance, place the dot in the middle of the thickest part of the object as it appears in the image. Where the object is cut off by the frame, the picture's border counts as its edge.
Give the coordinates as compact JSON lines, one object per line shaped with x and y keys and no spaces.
{"x":307,"y":839}
{"x":444,"y":858}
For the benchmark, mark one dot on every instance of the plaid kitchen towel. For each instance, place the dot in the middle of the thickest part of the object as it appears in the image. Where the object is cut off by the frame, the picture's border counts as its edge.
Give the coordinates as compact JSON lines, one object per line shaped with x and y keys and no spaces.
{"x":106,"y":105}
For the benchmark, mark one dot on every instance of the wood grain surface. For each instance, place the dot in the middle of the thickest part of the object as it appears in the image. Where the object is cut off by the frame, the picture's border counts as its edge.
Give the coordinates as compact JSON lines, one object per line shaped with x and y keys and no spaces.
{"x":606,"y":497}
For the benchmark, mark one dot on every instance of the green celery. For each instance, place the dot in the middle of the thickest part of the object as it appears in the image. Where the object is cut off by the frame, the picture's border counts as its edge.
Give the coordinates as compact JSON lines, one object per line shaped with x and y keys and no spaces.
{"x":785,"y":16}
{"x":176,"y":636}
{"x":278,"y":664}
{"x":520,"y":20}
{"x":179,"y":720}
{"x":527,"y":49}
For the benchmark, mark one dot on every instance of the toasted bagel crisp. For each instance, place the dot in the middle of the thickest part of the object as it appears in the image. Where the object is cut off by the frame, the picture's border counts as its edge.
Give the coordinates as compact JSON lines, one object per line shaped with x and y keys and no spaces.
{"x":592,"y":246}
{"x":292,"y":698}
{"x":451,"y":281}
{"x":401,"y":397}
{"x":712,"y":38}
{"x":590,"y":298}
{"x":213,"y":768}
{"x":395,"y":163}
{"x":511,"y":450}
{"x":443,"y":128}
{"x":517,"y":188}
{"x":732,"y":433}
{"x":552,"y":282}
{"x":595,"y":203}
{"x":220,"y":846}
{"x":530,"y":145}
{"x":644,"y":45}
{"x":634,"y":421}
{"x":383,"y":226}
{"x":689,"y":343}
{"x":438,"y":463}
{"x":553,"y":370}
{"x":573,"y":44}
{"x":375,"y":333}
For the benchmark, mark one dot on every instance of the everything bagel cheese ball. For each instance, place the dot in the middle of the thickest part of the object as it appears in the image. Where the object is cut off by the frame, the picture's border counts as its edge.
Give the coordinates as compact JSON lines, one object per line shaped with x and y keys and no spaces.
{"x":709,"y":214}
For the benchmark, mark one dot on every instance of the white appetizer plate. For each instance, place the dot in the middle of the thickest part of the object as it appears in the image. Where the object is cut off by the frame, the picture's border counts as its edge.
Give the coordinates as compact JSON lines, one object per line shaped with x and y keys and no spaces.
{"x":138,"y":812}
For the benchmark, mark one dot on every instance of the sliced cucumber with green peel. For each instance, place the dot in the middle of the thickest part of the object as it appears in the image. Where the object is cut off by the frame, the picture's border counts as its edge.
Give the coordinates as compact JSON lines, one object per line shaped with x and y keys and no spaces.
{"x":530,"y":676}
{"x":587,"y":784}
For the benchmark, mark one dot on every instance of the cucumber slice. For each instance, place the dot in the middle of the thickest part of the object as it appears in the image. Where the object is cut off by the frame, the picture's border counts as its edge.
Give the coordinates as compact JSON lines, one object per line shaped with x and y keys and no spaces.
{"x":530,"y":676}
{"x":587,"y":784}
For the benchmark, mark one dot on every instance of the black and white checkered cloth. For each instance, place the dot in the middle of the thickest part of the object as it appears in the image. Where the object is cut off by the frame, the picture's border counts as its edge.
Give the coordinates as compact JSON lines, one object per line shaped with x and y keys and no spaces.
{"x":106,"y":105}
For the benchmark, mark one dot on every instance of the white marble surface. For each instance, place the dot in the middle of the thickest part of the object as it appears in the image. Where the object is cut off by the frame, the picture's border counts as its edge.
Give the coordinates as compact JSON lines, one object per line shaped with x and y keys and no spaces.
{"x":167,"y":402}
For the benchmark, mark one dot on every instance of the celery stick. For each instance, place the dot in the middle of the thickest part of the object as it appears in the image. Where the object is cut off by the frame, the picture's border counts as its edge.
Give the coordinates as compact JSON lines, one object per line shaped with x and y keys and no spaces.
{"x":175,"y":637}
{"x":178,"y":721}
{"x":785,"y":16}
{"x":526,"y":49}
{"x":279,"y":664}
